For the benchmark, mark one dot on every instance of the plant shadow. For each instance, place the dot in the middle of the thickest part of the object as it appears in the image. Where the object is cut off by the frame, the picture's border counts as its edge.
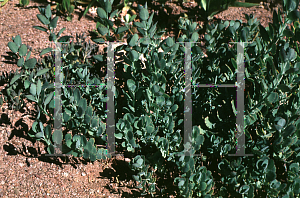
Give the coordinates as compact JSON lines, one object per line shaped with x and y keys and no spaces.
{"x":119,"y":174}
{"x":20,"y":130}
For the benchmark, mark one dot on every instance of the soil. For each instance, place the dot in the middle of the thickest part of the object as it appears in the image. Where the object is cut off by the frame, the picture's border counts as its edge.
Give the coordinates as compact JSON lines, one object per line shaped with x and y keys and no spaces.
{"x":24,"y":170}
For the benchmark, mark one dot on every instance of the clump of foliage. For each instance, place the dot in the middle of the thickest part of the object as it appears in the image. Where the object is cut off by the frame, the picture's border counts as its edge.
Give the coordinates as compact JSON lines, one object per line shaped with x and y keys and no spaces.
{"x":149,"y":118}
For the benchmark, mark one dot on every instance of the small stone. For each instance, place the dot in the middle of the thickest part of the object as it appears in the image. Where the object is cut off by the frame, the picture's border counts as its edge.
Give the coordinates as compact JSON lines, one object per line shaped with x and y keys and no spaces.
{"x":83,"y":174}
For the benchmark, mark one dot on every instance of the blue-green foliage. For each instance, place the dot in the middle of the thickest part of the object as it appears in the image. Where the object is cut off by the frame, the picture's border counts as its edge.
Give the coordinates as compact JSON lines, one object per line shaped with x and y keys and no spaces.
{"x":150,"y":122}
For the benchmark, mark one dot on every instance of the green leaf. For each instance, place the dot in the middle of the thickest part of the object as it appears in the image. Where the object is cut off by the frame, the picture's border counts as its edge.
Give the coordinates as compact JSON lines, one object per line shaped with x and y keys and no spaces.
{"x":86,"y":154}
{"x":245,"y":33}
{"x":234,"y":63}
{"x":65,"y":38}
{"x":93,"y":157}
{"x":28,"y":55}
{"x":174,"y":108}
{"x":160,"y":100}
{"x":50,"y":149}
{"x":195,"y":37}
{"x":121,"y":29}
{"x":15,"y":78}
{"x":207,"y":37}
{"x":30,"y":97}
{"x":294,"y":167}
{"x":13,"y":47}
{"x":204,"y":5}
{"x":48,"y":131}
{"x":273,"y":97}
{"x":133,"y":40}
{"x":89,"y":111}
{"x":294,"y":15}
{"x":52,"y":37}
{"x":48,"y":99}
{"x":129,"y":135}
{"x":18,"y":41}
{"x":45,"y":51}
{"x":57,"y":136}
{"x":134,"y":55}
{"x":132,"y":18}
{"x":289,"y":131}
{"x":33,"y":89}
{"x":66,"y":117}
{"x":291,"y":55}
{"x":119,"y":135}
{"x":155,"y":88}
{"x":107,"y":6}
{"x":48,"y":11}
{"x":149,"y":22}
{"x":88,"y":7}
{"x":181,"y":183}
{"x":208,"y":123}
{"x":68,"y":142}
{"x":38,"y":87}
{"x":139,"y":24}
{"x":60,"y":32}
{"x":101,"y":13}
{"x":231,"y":30}
{"x":244,"y":189}
{"x":51,"y":104}
{"x":140,"y":161}
{"x":53,"y":22}
{"x":40,"y":28}
{"x":264,"y":33}
{"x":102,"y":30}
{"x":39,"y":135}
{"x":199,"y":140}
{"x":43,"y":19}
{"x":131,"y":85}
{"x":136,"y":177}
{"x":23,"y":50}
{"x":42,"y":72}
{"x":291,"y":5}
{"x":236,"y":25}
{"x":144,"y":14}
{"x":203,"y":186}
{"x":136,"y":165}
{"x":70,"y":10}
{"x":82,"y":104}
{"x":87,"y":119}
{"x":169,"y":42}
{"x":26,"y":84}
{"x":226,"y":23}
{"x":270,"y":176}
{"x":149,"y":129}
{"x":98,"y":57}
{"x":30,"y":64}
{"x":77,"y":95}
{"x":280,"y":124}
{"x":113,"y":14}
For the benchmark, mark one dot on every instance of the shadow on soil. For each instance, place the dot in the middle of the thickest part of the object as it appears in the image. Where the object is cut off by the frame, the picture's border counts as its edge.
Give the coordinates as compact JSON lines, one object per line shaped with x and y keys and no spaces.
{"x":20,"y":130}
{"x":122,"y":172}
